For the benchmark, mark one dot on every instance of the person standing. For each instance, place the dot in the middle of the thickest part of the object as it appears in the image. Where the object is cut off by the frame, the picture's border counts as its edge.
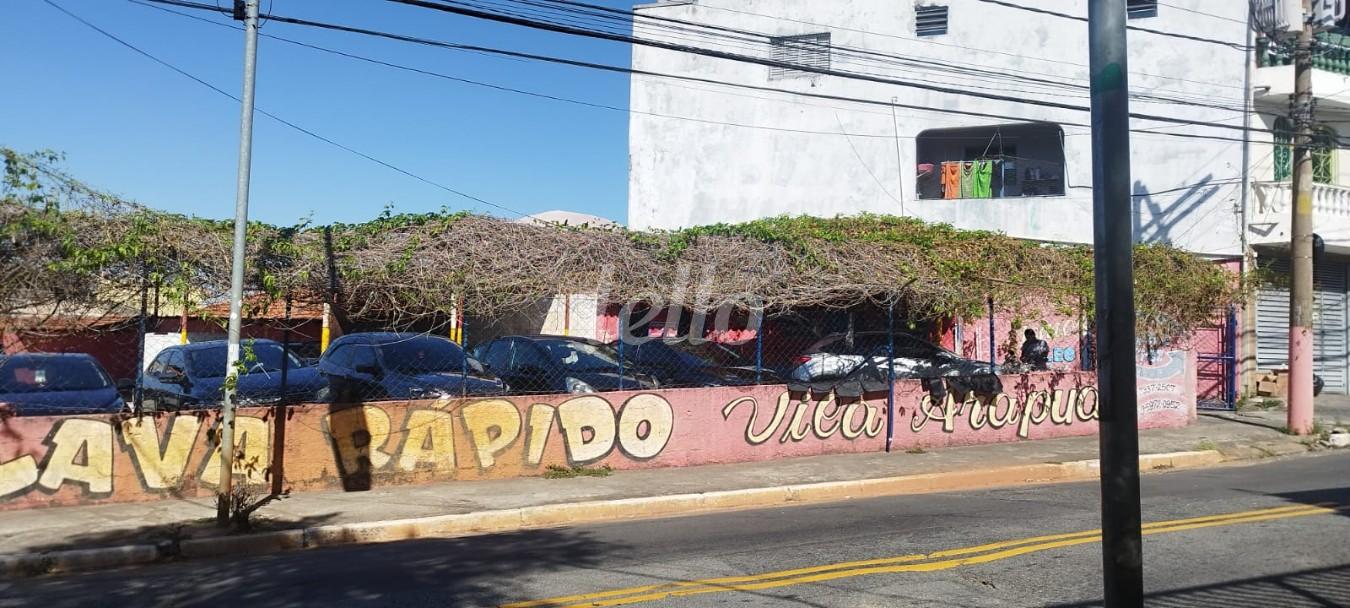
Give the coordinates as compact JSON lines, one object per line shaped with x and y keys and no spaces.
{"x":1035,"y":352}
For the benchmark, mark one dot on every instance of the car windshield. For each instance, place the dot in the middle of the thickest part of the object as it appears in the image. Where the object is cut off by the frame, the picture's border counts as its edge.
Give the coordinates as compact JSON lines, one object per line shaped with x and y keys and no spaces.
{"x":581,"y":356}
{"x":262,"y":358}
{"x":423,"y":356}
{"x":36,"y":375}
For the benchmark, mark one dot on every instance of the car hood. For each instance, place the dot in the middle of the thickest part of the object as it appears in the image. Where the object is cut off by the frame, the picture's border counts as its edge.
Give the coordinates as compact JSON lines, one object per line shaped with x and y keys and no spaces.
{"x":604,"y":381}
{"x":259,"y":387}
{"x":451,"y":381}
{"x":52,"y":403}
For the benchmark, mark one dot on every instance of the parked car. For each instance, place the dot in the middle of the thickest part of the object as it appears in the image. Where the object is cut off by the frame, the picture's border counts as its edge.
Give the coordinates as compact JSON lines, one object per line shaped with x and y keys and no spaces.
{"x":560,"y":364}
{"x":838,"y":355}
{"x":682,"y":363}
{"x":378,"y":366}
{"x":192,"y":376}
{"x":42,"y":384}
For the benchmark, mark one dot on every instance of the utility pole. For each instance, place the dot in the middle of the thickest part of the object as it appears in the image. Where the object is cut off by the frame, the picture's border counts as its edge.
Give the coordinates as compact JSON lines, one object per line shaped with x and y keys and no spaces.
{"x":1113,"y":241}
{"x":1300,"y":246}
{"x":250,"y":18}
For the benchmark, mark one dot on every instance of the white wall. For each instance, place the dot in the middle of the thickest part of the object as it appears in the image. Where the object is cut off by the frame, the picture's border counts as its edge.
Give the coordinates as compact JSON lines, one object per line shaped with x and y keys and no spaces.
{"x":685,"y":172}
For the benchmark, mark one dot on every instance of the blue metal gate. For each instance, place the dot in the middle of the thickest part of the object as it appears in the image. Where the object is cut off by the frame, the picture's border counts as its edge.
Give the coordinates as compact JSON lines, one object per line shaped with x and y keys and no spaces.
{"x":1220,"y":366}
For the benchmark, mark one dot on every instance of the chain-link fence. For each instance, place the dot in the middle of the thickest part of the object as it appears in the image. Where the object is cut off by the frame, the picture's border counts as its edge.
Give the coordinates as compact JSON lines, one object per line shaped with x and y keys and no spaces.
{"x":295,"y":352}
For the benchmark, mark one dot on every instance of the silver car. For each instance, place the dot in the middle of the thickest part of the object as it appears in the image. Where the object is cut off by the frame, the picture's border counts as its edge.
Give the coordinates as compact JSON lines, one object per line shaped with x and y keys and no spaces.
{"x":838,"y":355}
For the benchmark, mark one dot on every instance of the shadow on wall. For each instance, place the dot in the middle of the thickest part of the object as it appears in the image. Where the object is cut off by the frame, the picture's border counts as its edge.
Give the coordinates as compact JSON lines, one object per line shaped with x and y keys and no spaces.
{"x":478,"y":571}
{"x":1158,"y":214}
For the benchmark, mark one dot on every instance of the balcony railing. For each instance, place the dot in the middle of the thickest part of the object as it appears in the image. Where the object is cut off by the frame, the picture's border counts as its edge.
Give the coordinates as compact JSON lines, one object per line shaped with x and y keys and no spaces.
{"x":1328,"y":200}
{"x":1331,"y":53}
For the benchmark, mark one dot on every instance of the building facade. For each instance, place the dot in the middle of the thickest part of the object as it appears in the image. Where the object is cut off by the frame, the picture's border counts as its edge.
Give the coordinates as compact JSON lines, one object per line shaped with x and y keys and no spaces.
{"x":892,"y":102}
{"x":1270,"y":211}
{"x":889,"y":96}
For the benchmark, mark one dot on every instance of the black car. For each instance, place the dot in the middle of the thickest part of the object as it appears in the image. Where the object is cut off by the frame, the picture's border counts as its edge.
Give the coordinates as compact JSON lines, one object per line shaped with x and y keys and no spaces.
{"x":381,"y":366}
{"x":560,"y":364}
{"x":684,"y":363}
{"x":41,"y":384}
{"x":193,"y":376}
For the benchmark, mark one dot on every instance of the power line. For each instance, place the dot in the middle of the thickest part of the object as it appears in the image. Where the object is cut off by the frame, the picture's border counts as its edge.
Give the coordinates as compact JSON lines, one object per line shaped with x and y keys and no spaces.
{"x":762,"y":37}
{"x":508,"y":89}
{"x":830,"y":26}
{"x":633,"y":71}
{"x":1031,"y":9}
{"x":1191,"y":10}
{"x":279,"y":119}
{"x":565,"y":29}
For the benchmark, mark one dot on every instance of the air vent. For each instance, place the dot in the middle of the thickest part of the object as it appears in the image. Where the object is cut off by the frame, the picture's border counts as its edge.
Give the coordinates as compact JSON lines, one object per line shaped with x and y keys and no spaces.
{"x":930,"y":20}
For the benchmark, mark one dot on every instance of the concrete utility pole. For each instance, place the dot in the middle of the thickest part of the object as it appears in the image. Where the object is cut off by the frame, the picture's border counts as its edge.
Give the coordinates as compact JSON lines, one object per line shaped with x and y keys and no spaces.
{"x":1300,"y":245}
{"x":250,"y":18}
{"x":1113,"y":241}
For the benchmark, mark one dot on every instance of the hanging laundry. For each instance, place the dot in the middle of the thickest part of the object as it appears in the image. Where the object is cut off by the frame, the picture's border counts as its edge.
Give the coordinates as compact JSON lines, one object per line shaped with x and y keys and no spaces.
{"x":951,"y":180}
{"x":984,"y":179}
{"x":968,"y":180}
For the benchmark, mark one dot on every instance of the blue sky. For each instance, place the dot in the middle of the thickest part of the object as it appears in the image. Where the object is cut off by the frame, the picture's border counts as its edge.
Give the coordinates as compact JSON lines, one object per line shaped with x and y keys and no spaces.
{"x":139,"y":130}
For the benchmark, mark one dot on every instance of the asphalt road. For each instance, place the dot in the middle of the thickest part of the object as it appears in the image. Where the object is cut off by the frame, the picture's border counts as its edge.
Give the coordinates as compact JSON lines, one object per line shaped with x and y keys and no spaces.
{"x":1224,"y":537}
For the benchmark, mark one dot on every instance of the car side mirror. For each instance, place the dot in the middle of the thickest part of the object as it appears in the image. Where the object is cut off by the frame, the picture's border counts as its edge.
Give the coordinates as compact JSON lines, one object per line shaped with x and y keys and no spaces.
{"x":172,"y":377}
{"x":367,"y":368}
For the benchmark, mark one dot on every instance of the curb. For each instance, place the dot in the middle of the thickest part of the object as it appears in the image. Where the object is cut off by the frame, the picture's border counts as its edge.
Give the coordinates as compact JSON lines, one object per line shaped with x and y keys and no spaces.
{"x":562,"y":514}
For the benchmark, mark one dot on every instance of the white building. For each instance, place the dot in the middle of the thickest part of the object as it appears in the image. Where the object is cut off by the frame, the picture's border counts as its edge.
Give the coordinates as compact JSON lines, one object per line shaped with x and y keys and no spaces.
{"x":702,"y":152}
{"x":731,"y":140}
{"x":1269,"y":220}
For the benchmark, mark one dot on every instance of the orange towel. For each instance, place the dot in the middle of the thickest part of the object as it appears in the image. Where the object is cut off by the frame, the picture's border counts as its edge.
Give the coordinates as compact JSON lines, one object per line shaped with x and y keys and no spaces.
{"x":951,"y":180}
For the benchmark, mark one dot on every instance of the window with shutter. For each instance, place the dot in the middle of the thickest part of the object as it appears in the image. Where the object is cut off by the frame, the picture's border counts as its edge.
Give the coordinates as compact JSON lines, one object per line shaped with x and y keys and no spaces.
{"x":1140,"y":9}
{"x":810,"y":52}
{"x":930,"y":20}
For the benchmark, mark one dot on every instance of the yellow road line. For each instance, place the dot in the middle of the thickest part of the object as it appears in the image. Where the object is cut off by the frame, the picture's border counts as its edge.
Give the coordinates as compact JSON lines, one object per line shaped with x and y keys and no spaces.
{"x":978,"y":554}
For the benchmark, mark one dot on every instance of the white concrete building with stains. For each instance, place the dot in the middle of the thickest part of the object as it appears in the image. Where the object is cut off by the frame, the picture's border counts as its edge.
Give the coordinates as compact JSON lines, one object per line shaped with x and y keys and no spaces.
{"x":909,"y":86}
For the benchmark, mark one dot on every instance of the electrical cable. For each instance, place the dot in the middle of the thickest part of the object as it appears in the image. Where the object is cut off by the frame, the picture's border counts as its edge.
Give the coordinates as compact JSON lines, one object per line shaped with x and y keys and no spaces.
{"x":553,"y":27}
{"x":279,"y":119}
{"x":1233,"y":45}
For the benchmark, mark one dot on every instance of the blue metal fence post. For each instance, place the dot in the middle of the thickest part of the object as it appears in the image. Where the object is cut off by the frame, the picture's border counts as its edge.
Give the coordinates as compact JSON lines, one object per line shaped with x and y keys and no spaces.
{"x":623,"y":337}
{"x":890,"y":375}
{"x":993,"y":366}
{"x":463,"y":349}
{"x":286,"y":351}
{"x":759,"y":348}
{"x":138,"y":394}
{"x":1230,"y":349}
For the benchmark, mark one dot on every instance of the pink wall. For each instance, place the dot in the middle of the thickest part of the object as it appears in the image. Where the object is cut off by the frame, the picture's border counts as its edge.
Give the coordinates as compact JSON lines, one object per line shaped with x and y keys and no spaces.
{"x":1061,"y":331}
{"x":89,"y":459}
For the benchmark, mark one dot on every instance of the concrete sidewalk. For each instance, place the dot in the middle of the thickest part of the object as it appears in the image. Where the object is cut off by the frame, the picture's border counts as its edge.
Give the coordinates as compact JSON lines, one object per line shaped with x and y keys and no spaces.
{"x":73,"y":538}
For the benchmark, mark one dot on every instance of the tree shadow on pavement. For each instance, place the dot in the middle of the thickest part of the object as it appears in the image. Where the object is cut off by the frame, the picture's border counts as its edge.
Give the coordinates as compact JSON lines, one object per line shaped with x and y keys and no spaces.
{"x":478,"y":571}
{"x":1318,"y":588}
{"x":173,"y":532}
{"x":1337,"y":497}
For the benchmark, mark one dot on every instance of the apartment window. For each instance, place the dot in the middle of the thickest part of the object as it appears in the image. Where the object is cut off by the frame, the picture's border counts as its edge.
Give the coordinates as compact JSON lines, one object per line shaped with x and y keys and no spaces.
{"x":809,"y":51}
{"x":1140,"y":9}
{"x":999,"y":161}
{"x":930,"y":20}
{"x":1323,"y":152}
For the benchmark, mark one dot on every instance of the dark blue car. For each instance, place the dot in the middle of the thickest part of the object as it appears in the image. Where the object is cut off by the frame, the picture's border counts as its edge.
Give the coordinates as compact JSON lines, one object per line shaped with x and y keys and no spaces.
{"x":193,"y":376}
{"x":39,"y":384}
{"x":561,"y":364}
{"x":383,"y":366}
{"x":682,"y":363}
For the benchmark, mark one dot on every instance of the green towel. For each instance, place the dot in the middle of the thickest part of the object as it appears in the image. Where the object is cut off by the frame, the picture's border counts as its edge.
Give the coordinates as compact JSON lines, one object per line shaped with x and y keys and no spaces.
{"x":983,"y":180}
